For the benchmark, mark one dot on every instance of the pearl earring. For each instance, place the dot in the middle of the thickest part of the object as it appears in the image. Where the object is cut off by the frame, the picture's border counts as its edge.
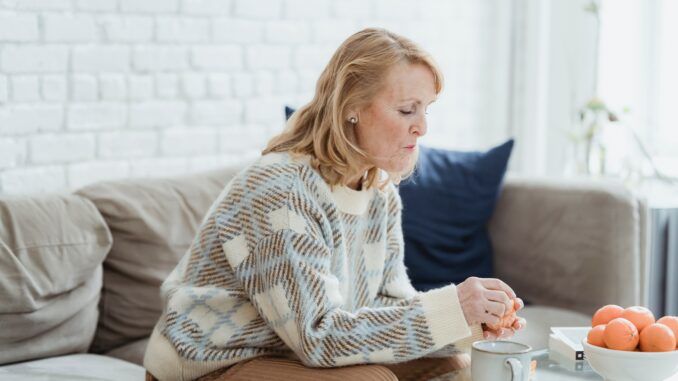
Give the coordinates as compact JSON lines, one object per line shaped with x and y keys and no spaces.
{"x":353,"y":120}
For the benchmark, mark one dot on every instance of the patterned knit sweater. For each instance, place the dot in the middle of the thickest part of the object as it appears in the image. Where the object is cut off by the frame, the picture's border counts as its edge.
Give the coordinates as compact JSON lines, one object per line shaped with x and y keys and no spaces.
{"x":283,"y":265}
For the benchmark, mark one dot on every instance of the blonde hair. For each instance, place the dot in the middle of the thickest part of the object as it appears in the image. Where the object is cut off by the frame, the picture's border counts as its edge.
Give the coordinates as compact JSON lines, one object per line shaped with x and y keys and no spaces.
{"x":355,"y":74}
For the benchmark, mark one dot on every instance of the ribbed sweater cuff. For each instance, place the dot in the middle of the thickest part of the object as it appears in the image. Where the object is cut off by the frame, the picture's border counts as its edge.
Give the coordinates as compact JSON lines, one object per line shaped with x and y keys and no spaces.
{"x":476,"y":335}
{"x":162,"y":360}
{"x":445,"y":317}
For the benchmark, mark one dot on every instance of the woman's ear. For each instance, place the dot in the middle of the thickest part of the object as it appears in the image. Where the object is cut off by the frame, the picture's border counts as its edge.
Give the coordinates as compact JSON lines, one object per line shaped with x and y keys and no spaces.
{"x":352,"y":117}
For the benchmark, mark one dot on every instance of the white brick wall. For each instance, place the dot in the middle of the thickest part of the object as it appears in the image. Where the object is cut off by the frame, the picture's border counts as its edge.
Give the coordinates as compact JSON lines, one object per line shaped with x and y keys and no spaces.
{"x":54,"y":88}
{"x":140,"y":87}
{"x":12,"y":152}
{"x":100,"y":115}
{"x":113,"y":87}
{"x":206,"y":7}
{"x":157,"y":114}
{"x":25,"y":88}
{"x":159,"y":58}
{"x":15,"y":27}
{"x":69,"y":28}
{"x":82,"y":174}
{"x":217,"y":57}
{"x":61,"y":148}
{"x":21,"y":119}
{"x":84,"y":88}
{"x":106,"y":89}
{"x":128,"y":28}
{"x":4,"y":89}
{"x":149,"y":6}
{"x":97,"y":5}
{"x":99,"y":59}
{"x":33,"y":59}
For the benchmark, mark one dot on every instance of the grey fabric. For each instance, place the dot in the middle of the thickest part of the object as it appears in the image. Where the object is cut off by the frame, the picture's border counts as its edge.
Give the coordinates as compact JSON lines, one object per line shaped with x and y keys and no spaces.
{"x":574,"y":245}
{"x":664,"y":261}
{"x":73,"y":367}
{"x":153,"y":222}
{"x":132,"y":352}
{"x":540,"y":319}
{"x":51,"y":250}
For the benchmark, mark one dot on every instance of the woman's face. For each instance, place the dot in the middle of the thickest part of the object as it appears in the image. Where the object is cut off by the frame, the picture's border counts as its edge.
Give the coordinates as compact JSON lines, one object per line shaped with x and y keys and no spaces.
{"x":389,"y":127}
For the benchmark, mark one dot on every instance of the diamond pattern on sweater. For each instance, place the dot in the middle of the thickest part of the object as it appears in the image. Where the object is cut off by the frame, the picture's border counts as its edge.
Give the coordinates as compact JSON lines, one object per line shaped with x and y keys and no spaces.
{"x":280,"y":266}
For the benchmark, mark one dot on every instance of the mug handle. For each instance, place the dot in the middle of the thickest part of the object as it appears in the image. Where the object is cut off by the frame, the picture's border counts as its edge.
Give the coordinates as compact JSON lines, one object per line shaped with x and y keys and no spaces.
{"x":516,"y":368}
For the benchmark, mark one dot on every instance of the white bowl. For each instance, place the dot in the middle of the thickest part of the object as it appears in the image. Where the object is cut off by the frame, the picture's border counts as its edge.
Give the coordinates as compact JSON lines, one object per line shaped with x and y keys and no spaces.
{"x":631,"y":366}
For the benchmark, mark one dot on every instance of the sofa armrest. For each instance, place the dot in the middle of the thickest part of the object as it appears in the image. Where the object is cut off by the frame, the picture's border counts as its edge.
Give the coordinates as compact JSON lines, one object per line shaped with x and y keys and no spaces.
{"x":576,"y":244}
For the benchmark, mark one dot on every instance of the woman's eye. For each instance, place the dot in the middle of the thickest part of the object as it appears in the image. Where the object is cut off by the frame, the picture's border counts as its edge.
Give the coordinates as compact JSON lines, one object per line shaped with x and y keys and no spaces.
{"x":406,"y":112}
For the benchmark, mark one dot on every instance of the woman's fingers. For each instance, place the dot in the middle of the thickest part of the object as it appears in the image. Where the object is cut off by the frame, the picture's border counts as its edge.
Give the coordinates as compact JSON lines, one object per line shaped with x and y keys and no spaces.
{"x":486,"y":300}
{"x":519,"y":323}
{"x":500,"y":297}
{"x":491,"y":319}
{"x":521,"y":304}
{"x":506,"y":333}
{"x":495,"y":308}
{"x":498,"y":284}
{"x":501,"y":333}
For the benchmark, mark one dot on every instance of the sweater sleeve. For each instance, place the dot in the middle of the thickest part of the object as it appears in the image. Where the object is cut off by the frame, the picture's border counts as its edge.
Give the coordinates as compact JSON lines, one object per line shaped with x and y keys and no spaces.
{"x":396,"y":288}
{"x":287,"y":277}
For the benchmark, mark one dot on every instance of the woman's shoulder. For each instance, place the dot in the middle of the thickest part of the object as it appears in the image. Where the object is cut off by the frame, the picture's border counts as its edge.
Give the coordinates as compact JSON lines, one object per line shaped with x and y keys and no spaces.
{"x":278,"y":169}
{"x":282,"y":159}
{"x":270,"y":179}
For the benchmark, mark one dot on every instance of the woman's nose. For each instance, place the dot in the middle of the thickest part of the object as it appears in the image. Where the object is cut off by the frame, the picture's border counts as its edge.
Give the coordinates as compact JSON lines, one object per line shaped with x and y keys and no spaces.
{"x":420,"y":127}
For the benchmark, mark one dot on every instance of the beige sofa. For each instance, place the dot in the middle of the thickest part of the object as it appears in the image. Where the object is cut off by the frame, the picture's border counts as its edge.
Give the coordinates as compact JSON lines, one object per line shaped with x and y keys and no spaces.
{"x":80,"y":273}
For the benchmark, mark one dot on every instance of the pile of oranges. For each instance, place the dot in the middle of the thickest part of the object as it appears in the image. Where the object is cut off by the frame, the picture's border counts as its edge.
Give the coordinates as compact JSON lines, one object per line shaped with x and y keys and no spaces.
{"x":633,"y":329}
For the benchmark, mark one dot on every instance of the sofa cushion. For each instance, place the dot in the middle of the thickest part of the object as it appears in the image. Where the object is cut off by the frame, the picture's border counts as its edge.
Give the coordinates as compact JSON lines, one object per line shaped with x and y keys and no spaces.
{"x":133,"y":352}
{"x":73,"y":367}
{"x":51,"y":250}
{"x":447,"y":203}
{"x":153,"y":222}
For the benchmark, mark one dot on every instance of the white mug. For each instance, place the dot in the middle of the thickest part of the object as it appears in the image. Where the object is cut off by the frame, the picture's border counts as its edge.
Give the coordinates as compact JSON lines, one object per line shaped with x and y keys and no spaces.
{"x":500,"y":361}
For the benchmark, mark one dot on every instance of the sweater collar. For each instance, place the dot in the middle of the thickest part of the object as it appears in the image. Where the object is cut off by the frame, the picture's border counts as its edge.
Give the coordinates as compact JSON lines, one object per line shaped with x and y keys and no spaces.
{"x":348,"y":200}
{"x":352,"y":201}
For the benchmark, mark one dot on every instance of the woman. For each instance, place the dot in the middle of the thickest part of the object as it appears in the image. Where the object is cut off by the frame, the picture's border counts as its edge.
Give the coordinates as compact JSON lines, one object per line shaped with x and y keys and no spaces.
{"x":297,"y":270}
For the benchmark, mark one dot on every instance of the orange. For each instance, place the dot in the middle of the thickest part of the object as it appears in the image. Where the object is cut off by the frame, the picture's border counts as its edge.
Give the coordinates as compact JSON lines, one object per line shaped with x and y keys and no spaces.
{"x":621,"y":334}
{"x":641,"y":317}
{"x":671,"y":322}
{"x":595,"y":336}
{"x":657,"y":338}
{"x":605,"y":314}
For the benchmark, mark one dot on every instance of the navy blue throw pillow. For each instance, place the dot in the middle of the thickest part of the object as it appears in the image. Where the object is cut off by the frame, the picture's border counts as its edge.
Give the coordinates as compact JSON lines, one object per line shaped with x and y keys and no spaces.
{"x":447,"y":203}
{"x":288,"y":112}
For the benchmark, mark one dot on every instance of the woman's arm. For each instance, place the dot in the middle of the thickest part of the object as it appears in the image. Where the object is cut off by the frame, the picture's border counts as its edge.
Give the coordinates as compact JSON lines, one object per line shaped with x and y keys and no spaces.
{"x":288,"y":280}
{"x":286,"y":275}
{"x":396,"y":287}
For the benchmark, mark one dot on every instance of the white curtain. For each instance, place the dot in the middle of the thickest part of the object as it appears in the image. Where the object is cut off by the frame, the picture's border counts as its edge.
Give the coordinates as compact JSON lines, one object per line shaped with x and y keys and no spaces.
{"x":638,"y":71}
{"x":567,"y":52}
{"x":553,"y":75}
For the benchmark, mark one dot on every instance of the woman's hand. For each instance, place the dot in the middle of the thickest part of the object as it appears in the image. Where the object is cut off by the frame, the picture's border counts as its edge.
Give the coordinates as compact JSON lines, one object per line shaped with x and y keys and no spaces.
{"x":484,"y":300}
{"x":504,"y":333}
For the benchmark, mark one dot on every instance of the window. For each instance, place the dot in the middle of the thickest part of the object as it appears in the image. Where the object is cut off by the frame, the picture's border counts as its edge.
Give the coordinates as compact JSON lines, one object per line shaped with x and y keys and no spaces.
{"x":638,"y":70}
